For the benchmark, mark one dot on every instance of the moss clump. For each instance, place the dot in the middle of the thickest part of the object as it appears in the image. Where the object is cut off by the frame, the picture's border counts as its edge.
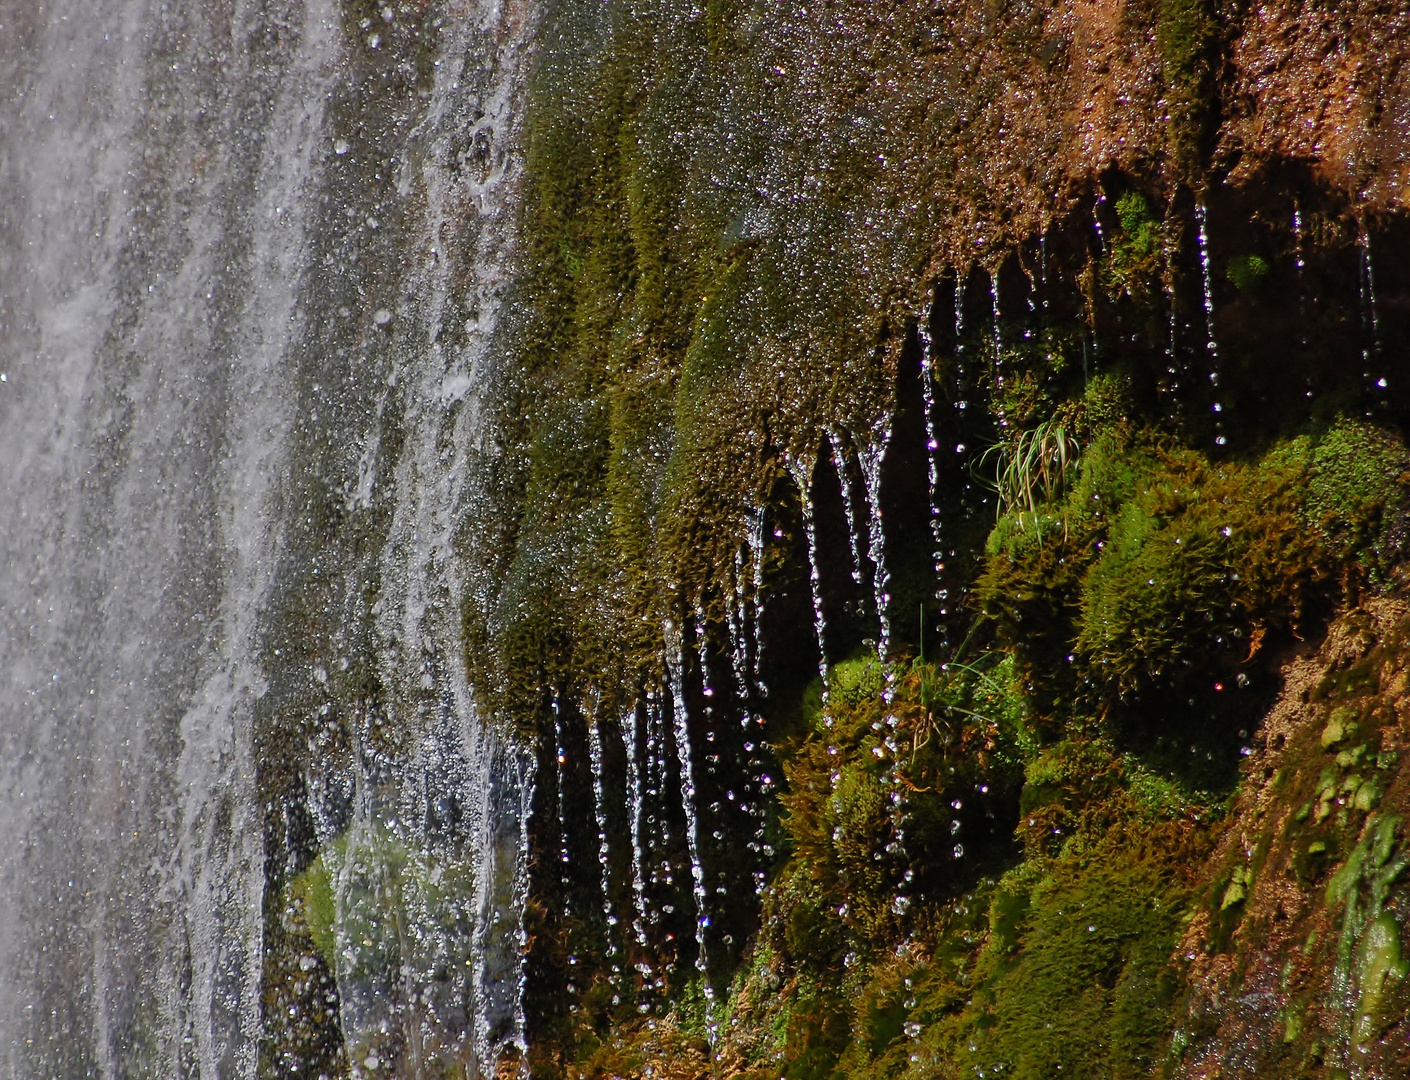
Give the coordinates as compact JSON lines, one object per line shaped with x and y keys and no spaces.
{"x":312,"y":890}
{"x":1133,"y":264}
{"x":900,"y":770}
{"x":1247,"y":272}
{"x":1164,"y":574}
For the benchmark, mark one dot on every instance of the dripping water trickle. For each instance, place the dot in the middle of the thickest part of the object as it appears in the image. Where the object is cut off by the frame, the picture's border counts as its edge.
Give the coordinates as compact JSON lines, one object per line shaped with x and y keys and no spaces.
{"x":736,"y":620}
{"x":755,"y":534}
{"x":997,"y":316}
{"x":675,"y":671}
{"x":802,"y":472}
{"x":1207,"y":279}
{"x":854,"y":512}
{"x":632,"y":744}
{"x":748,"y":721}
{"x":870,"y":458}
{"x":932,"y":445}
{"x":1370,"y":323}
{"x":560,"y":759}
{"x":599,"y":805}
{"x":1300,"y":262}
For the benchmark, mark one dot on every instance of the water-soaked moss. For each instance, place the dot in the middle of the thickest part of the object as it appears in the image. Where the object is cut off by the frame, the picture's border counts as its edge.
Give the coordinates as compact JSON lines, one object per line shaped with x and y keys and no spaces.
{"x":751,"y":237}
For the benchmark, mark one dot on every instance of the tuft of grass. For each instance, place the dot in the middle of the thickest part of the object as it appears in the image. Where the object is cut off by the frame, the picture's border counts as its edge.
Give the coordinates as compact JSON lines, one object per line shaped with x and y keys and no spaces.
{"x":1034,"y":469}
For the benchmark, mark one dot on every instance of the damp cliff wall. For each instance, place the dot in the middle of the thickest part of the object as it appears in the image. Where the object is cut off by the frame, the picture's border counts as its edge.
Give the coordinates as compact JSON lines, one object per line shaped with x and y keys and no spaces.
{"x":931,"y":333}
{"x":649,"y":539}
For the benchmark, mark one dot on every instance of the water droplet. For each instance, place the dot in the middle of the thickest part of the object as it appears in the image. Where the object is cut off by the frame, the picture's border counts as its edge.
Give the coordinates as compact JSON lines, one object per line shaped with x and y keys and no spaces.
{"x":341,"y":147}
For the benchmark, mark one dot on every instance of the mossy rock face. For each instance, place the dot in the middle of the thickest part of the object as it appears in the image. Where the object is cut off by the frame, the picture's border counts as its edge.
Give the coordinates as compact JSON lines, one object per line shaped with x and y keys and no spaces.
{"x":750,"y":236}
{"x":1154,"y":585}
{"x":1319,"y":865}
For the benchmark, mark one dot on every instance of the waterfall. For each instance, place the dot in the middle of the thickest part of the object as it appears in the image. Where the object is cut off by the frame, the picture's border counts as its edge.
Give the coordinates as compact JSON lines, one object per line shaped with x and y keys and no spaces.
{"x":240,"y":448}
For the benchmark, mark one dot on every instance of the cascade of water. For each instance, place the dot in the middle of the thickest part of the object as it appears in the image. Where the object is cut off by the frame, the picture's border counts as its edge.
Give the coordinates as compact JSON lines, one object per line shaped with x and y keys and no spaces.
{"x":599,"y":806}
{"x":870,"y":458}
{"x":1207,"y":279}
{"x":185,"y":357}
{"x":675,"y":672}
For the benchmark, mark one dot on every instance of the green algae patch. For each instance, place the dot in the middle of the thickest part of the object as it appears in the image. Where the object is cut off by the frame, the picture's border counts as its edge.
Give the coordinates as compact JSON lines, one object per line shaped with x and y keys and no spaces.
{"x":1378,"y":966}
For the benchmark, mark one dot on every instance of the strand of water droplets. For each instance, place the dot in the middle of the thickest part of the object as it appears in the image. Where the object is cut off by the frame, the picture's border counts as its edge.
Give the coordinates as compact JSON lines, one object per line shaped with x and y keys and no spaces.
{"x":675,"y":673}
{"x":1207,"y":279}
{"x":662,"y":869}
{"x":560,"y":759}
{"x":631,"y":745}
{"x":961,"y":402}
{"x":1300,"y":263}
{"x":801,"y":472}
{"x":599,"y":806}
{"x":932,"y":446}
{"x":1091,"y":311}
{"x":1370,"y":321}
{"x":998,"y":326}
{"x":849,"y":501}
{"x":754,"y":534}
{"x":748,"y":721}
{"x":737,"y":624}
{"x":869,"y":459}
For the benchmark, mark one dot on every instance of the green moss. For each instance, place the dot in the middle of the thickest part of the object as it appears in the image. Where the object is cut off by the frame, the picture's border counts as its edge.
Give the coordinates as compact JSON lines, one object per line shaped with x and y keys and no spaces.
{"x":313,"y":890}
{"x":1133,"y":263}
{"x":1187,"y":36}
{"x":1247,"y":272}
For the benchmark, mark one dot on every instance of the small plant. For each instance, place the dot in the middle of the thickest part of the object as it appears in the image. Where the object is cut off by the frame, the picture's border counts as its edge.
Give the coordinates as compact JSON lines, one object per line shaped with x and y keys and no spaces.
{"x":1032,"y":472}
{"x":1247,"y":272}
{"x":1133,"y":263}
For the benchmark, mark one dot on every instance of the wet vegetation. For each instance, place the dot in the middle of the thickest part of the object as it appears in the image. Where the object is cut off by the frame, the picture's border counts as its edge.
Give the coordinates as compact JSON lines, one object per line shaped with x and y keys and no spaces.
{"x":938,"y":441}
